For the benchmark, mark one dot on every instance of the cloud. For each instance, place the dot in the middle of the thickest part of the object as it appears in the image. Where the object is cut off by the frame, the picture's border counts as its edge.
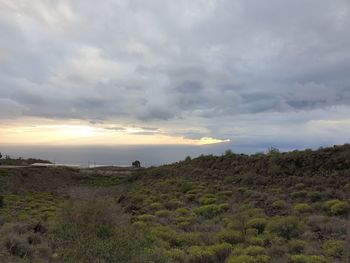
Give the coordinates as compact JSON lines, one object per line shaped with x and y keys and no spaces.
{"x":199,"y":68}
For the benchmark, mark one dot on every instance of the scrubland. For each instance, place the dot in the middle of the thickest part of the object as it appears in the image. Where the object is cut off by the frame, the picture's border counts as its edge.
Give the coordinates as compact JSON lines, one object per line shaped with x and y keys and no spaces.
{"x":272,"y":207}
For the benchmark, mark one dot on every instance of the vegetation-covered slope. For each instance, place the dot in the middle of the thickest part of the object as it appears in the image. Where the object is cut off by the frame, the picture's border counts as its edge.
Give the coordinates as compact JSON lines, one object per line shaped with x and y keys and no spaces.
{"x":275,"y":207}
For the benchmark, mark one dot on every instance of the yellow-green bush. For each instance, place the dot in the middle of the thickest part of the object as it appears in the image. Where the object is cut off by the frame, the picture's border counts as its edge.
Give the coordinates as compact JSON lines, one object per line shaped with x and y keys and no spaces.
{"x":230,"y":236}
{"x":208,"y":200}
{"x":302,"y":208}
{"x":286,"y":227}
{"x":335,"y":248}
{"x":308,"y":259}
{"x":163,"y":213}
{"x":256,"y":241}
{"x":279,"y":205}
{"x":249,"y":259}
{"x":337,"y":207}
{"x":296,"y":245}
{"x":209,"y":254}
{"x":257,"y":223}
{"x":209,"y":211}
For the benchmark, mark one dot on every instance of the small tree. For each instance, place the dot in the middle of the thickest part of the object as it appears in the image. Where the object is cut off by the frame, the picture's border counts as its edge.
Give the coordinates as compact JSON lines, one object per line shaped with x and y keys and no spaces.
{"x":273,"y":150}
{"x":136,"y":164}
{"x":188,"y":158}
{"x":228,"y":152}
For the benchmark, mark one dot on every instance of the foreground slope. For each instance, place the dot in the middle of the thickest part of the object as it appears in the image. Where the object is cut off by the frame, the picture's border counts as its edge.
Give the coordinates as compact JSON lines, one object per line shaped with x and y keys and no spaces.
{"x":275,"y":207}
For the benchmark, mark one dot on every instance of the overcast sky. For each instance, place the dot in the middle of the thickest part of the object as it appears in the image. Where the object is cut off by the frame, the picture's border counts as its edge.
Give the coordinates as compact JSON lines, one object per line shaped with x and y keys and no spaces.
{"x":254,"y":72}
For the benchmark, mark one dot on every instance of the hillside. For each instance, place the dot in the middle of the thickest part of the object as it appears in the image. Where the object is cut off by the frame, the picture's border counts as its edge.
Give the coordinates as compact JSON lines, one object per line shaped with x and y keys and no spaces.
{"x":274,"y":207}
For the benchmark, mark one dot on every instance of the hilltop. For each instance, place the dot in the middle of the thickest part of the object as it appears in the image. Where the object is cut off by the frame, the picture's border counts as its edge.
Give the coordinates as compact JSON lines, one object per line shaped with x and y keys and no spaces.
{"x":272,"y":207}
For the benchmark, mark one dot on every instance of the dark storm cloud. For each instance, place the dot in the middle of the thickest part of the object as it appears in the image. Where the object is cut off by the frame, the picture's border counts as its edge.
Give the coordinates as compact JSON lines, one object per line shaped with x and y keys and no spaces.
{"x":193,"y":63}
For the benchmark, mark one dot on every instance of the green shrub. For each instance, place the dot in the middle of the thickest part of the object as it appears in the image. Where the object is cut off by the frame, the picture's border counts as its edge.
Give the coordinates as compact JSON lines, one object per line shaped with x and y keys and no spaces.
{"x":254,"y":250}
{"x":337,"y":207}
{"x":308,"y":259}
{"x":251,"y":232}
{"x":335,"y":248}
{"x":146,"y":218}
{"x":224,"y":206}
{"x":302,"y":208}
{"x":190,"y":197}
{"x":225,"y":193}
{"x":176,"y":255}
{"x":314,"y":196}
{"x":173,"y":204}
{"x":163,"y":213}
{"x":340,"y":208}
{"x":187,"y":239}
{"x":286,"y":227}
{"x":155,"y":206}
{"x":296,"y":246}
{"x":249,"y":259}
{"x":279,"y":205}
{"x":257,"y":223}
{"x":209,"y":254}
{"x":96,"y":230}
{"x":299,"y":194}
{"x":167,"y":234}
{"x":208,"y":200}
{"x":256,"y":241}
{"x":209,"y":211}
{"x":229,"y":236}
{"x":299,"y":186}
{"x":182,"y":211}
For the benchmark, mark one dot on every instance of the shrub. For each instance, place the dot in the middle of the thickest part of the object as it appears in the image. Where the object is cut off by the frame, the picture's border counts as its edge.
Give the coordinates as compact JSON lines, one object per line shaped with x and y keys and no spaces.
{"x":182,"y":211}
{"x":257,"y":223}
{"x":173,"y":204}
{"x":302,"y":208}
{"x":208,"y":200}
{"x":209,"y":254}
{"x":314,"y":196}
{"x":296,"y":246}
{"x":230,"y":236}
{"x":199,"y":254}
{"x":92,"y":230}
{"x":167,"y":234}
{"x":208,"y":211}
{"x":229,"y":153}
{"x":193,"y":238}
{"x":225,"y":193}
{"x":280,"y":205}
{"x":254,"y":250}
{"x":340,"y":208}
{"x":224,"y":206}
{"x":286,"y":227}
{"x":177,"y":255}
{"x":299,"y":194}
{"x":335,"y":248}
{"x":251,"y":232}
{"x":155,"y":206}
{"x":190,"y":197}
{"x":163,"y":213}
{"x":308,"y":259}
{"x":256,"y":241}
{"x":249,"y":259}
{"x":146,"y":218}
{"x":337,"y":207}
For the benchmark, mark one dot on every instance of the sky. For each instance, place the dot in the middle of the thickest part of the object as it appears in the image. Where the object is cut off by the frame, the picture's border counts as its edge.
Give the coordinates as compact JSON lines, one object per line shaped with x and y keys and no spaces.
{"x":243,"y":74}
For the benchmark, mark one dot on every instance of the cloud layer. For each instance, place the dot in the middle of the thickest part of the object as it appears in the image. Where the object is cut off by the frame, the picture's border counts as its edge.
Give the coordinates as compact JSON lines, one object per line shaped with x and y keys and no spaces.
{"x":249,"y":71}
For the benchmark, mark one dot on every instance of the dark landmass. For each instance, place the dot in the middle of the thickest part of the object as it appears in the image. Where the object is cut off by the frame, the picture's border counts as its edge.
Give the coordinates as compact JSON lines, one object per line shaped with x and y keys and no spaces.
{"x":273,"y":207}
{"x":20,"y":161}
